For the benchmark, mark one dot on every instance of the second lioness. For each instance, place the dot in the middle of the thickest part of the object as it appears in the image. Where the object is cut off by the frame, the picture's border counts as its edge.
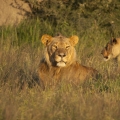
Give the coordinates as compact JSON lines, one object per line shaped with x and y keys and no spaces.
{"x":112,"y":50}
{"x":60,"y":63}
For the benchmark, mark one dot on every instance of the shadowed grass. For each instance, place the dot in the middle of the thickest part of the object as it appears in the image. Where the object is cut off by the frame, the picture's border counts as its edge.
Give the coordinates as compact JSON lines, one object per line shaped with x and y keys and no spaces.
{"x":63,"y":102}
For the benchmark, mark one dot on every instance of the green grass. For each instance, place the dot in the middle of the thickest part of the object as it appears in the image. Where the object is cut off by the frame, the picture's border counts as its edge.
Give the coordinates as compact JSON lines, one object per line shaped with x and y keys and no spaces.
{"x":23,"y":99}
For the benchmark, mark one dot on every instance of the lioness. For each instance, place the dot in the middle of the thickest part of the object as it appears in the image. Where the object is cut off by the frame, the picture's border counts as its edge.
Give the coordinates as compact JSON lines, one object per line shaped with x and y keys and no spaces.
{"x":112,"y":50}
{"x":60,"y":63}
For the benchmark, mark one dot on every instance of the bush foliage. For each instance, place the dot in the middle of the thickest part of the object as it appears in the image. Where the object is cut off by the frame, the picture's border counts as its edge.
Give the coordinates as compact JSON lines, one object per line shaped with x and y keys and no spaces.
{"x":79,"y":14}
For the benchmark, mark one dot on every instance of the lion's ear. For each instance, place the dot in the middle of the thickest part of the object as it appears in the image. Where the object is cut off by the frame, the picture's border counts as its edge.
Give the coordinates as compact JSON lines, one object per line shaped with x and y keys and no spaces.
{"x":74,"y":40}
{"x":114,"y":41}
{"x":46,"y":39}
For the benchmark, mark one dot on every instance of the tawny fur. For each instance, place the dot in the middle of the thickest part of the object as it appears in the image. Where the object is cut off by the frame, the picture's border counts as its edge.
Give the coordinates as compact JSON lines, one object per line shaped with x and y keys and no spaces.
{"x":112,"y":50}
{"x":60,"y":63}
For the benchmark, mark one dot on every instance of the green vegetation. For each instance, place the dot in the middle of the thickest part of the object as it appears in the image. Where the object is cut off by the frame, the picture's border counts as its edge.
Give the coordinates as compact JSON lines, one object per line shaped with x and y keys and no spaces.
{"x":21,"y":98}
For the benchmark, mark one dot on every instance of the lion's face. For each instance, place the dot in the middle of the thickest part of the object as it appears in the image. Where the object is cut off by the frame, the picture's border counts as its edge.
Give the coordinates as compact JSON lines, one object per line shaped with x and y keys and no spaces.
{"x":107,"y":52}
{"x":59,"y":50}
{"x":111,"y":50}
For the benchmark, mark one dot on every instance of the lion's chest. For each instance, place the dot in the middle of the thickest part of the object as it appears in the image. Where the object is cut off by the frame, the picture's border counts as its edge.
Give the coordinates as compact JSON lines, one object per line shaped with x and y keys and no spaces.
{"x":54,"y":73}
{"x":72,"y":74}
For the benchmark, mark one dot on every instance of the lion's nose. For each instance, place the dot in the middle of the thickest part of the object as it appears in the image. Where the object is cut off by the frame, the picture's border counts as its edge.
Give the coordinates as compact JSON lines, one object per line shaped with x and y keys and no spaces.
{"x":106,"y":57}
{"x":62,"y":54}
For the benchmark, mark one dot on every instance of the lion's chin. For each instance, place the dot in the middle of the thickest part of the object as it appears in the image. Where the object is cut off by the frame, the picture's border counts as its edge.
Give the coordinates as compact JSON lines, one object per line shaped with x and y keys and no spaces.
{"x":61,"y":64}
{"x":105,"y":59}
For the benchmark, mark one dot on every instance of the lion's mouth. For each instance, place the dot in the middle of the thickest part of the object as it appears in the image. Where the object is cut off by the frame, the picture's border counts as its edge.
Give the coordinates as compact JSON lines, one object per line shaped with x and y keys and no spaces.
{"x":61,"y":61}
{"x":61,"y":64}
{"x":107,"y":58}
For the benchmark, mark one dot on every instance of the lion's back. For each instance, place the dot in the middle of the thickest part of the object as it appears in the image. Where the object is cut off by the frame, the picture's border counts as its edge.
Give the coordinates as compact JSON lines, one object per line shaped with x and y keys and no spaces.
{"x":81,"y":73}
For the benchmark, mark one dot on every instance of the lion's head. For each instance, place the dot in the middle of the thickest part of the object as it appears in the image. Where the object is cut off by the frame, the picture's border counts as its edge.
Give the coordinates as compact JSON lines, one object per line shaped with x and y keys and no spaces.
{"x":112,"y":49}
{"x":59,"y":50}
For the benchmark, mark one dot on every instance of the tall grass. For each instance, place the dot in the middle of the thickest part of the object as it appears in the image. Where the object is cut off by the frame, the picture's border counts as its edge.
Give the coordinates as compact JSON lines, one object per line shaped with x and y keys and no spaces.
{"x":21,"y":98}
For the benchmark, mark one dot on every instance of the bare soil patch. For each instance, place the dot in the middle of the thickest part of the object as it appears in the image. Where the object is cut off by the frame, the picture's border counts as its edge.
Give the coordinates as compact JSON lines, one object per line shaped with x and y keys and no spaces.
{"x":13,"y":11}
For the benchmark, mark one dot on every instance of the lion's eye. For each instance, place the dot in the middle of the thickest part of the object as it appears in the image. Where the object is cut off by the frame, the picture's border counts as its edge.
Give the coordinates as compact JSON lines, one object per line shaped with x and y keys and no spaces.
{"x":54,"y":46}
{"x":67,"y":47}
{"x":105,"y":48}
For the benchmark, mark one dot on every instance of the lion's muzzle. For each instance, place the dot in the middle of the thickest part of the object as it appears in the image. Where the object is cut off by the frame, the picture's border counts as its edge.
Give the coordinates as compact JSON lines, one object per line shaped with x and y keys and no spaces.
{"x":61,"y":58}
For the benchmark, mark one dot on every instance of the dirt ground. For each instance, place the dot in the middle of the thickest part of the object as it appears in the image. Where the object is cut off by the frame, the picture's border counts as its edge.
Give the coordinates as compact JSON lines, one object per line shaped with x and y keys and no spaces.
{"x":13,"y":11}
